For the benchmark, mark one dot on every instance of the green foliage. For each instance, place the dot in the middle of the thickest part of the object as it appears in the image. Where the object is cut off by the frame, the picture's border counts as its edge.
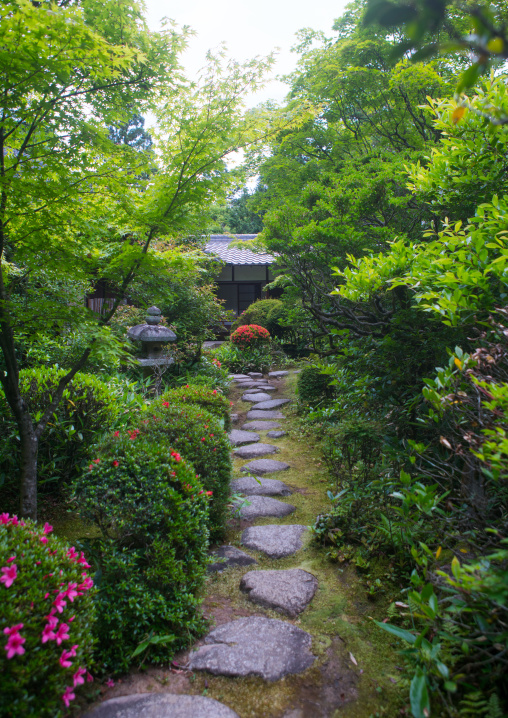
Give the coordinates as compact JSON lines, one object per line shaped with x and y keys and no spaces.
{"x":89,"y":407}
{"x":240,"y":361}
{"x":152,"y":513}
{"x":210,"y":399}
{"x":256,"y":313}
{"x":200,"y":438}
{"x":49,"y":603}
{"x":208,"y":371}
{"x":313,"y":386}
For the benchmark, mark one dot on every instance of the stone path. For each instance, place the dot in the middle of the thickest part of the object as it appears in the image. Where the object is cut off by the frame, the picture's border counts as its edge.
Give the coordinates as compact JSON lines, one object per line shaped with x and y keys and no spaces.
{"x":249,"y":654}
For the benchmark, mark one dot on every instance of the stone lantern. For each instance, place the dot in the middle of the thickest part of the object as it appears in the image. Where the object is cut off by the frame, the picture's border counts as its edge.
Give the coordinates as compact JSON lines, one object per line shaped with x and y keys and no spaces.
{"x":153,"y":338}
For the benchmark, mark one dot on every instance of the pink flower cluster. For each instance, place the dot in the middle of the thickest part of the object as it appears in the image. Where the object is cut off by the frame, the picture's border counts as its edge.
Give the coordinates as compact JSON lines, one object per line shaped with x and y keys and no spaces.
{"x":52,"y":631}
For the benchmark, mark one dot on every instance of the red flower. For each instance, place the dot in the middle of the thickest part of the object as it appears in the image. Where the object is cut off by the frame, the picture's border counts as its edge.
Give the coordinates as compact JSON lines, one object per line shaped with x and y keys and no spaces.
{"x":166,"y":404}
{"x":116,"y":463}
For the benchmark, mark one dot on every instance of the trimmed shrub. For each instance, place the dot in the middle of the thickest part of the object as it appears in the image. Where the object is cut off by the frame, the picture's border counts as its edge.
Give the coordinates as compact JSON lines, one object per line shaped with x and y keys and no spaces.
{"x":152,"y":513}
{"x":250,"y":335}
{"x":198,"y":435}
{"x":241,"y":361}
{"x":278,"y":320}
{"x":46,"y":620}
{"x":89,"y":406}
{"x":313,"y":386}
{"x":210,"y":399}
{"x":257,"y":313}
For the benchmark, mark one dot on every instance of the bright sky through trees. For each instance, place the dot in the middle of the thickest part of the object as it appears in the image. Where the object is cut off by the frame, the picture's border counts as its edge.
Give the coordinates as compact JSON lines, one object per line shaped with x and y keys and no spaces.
{"x":248,"y":29}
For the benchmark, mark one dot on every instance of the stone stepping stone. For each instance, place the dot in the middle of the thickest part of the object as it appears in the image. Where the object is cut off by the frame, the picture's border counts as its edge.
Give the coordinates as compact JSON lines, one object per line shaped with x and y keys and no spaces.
{"x":237,"y":437}
{"x":161,"y":705}
{"x":273,"y":540}
{"x":255,"y":374}
{"x":271,"y":404}
{"x":276,"y":434}
{"x":256,"y":646}
{"x":267,"y":387}
{"x":277,"y":374}
{"x":288,"y":592}
{"x":231,"y":556}
{"x":261,"y":425}
{"x":252,"y":451}
{"x":261,"y":506}
{"x":259,"y":414}
{"x":253,"y":486}
{"x":264,"y":466}
{"x":255,"y":398}
{"x":238,"y":377}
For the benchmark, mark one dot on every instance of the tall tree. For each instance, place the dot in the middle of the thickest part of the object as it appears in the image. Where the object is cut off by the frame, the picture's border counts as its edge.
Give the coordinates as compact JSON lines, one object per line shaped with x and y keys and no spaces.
{"x":71,"y":201}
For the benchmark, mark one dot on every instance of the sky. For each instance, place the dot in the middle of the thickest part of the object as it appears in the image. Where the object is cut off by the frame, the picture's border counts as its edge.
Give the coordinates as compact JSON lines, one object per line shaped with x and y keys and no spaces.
{"x":248,"y":29}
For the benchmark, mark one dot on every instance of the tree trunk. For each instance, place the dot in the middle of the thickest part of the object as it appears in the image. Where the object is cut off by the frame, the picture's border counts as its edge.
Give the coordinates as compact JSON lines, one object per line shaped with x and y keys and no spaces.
{"x":28,"y":470}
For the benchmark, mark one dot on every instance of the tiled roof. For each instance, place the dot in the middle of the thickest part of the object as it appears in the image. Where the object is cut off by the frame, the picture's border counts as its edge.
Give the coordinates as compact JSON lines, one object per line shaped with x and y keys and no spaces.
{"x":219,"y":245}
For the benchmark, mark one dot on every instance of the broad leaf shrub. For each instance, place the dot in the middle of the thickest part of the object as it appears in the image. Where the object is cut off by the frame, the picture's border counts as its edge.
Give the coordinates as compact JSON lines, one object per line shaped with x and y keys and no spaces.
{"x":152,"y":514}
{"x":210,"y":399}
{"x":250,"y":335}
{"x":200,"y":438}
{"x":244,"y":360}
{"x":313,"y":386}
{"x":257,"y":313}
{"x":89,"y":407}
{"x":46,"y":620}
{"x":208,"y":371}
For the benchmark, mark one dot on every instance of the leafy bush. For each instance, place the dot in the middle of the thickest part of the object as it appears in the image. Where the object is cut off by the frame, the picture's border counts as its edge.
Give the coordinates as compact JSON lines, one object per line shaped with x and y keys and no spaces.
{"x":210,"y":399}
{"x":198,"y":435}
{"x":89,"y":406}
{"x":208,"y":371}
{"x":257,"y":313}
{"x":152,"y":513}
{"x":241,"y":361}
{"x":249,"y":335}
{"x":313,"y":386}
{"x":46,"y":620}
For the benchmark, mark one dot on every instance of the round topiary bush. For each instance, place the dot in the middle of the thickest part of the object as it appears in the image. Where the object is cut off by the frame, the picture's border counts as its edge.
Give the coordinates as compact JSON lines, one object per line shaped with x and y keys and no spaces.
{"x":152,"y":514}
{"x":313,"y":387}
{"x":250,"y":335}
{"x":211,"y":399}
{"x":199,"y":437}
{"x":257,"y":313}
{"x":46,"y":620}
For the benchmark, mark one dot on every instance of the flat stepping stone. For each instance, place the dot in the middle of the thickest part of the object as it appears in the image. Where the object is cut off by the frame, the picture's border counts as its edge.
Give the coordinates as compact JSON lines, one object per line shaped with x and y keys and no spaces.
{"x":271,"y":404}
{"x":255,"y":374}
{"x":237,"y":437}
{"x":256,"y":646}
{"x":276,"y":434}
{"x":261,"y":506}
{"x":277,"y":374}
{"x":255,"y":398}
{"x":161,"y":705}
{"x":261,"y":425}
{"x":288,"y":592}
{"x":259,"y":414}
{"x":252,"y":451}
{"x":253,"y":486}
{"x":238,"y":377}
{"x":273,"y":540}
{"x":264,"y":466}
{"x":231,"y":556}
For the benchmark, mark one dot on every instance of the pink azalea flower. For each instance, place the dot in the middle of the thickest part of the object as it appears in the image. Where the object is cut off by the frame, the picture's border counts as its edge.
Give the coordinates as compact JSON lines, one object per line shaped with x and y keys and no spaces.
{"x":87,"y":583}
{"x":82,"y":560}
{"x":14,"y":521}
{"x":9,"y":574}
{"x":89,"y":678}
{"x":44,"y":539}
{"x":71,"y":592}
{"x":59,"y":603}
{"x":47,"y":528}
{"x":214,"y":391}
{"x":68,"y":696}
{"x":110,"y":683}
{"x":14,"y":645}
{"x":78,"y":677}
{"x":12,"y":558}
{"x":72,"y":553}
{"x":64,"y":659}
{"x":62,"y":633}
{"x":13,"y":629}
{"x":48,"y":634}
{"x":4,"y":518}
{"x":116,"y":434}
{"x":71,"y":619}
